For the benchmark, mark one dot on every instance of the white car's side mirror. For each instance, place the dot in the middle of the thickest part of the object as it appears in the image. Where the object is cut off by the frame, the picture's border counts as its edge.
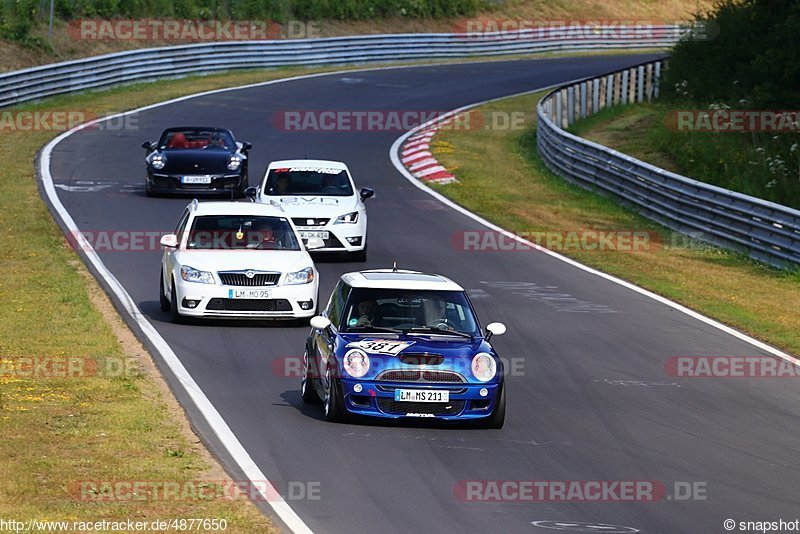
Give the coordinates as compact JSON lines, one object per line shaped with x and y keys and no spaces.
{"x":319,"y":322}
{"x":169,"y":240}
{"x":495,"y":329}
{"x":315,"y":243}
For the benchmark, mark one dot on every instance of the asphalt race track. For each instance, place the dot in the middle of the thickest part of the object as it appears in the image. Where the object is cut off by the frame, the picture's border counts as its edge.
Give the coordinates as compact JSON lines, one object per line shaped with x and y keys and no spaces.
{"x":591,"y":400}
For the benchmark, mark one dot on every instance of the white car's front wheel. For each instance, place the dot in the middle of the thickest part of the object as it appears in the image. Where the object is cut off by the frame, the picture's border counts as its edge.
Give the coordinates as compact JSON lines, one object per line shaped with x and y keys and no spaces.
{"x":174,"y":314}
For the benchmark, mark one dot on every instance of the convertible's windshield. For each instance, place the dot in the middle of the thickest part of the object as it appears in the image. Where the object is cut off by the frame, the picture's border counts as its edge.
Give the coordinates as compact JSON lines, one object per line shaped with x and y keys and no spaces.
{"x":308,"y":181}
{"x":194,"y":138}
{"x":221,"y":232}
{"x":409,"y":310}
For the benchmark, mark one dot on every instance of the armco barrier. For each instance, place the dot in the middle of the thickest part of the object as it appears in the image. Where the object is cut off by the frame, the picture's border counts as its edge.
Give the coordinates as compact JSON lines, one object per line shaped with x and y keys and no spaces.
{"x":158,"y":63}
{"x":763,"y":230}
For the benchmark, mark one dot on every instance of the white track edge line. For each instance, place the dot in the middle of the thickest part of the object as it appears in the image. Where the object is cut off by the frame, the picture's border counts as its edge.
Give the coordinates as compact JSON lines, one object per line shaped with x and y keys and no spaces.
{"x":396,"y":161}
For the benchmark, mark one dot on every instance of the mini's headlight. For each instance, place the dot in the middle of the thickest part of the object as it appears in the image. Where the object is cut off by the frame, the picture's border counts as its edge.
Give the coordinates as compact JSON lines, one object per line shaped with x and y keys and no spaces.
{"x":158,"y":162}
{"x":484,"y":367}
{"x":306,"y":276}
{"x":190,"y":274}
{"x":234,"y":162}
{"x":356,"y":363}
{"x":347,"y":218}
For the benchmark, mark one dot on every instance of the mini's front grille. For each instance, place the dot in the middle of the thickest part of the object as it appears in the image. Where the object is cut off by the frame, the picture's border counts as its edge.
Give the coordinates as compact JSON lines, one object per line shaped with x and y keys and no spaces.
{"x":241,"y":279}
{"x":256,"y":305}
{"x":304,"y":221}
{"x":426,"y":376}
{"x":390,"y":406}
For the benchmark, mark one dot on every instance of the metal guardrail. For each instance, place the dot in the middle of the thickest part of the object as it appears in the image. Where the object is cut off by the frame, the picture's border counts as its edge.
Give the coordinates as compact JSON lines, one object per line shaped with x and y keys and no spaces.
{"x":763,"y":230}
{"x":158,"y":63}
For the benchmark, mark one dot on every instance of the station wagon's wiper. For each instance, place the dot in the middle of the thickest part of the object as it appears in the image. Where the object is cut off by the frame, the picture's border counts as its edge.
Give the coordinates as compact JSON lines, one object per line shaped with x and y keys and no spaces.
{"x":373,"y":329}
{"x":438,"y":331}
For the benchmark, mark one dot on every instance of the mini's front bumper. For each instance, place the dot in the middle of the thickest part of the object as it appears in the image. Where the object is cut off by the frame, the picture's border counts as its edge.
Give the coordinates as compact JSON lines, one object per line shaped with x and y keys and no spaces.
{"x":376,"y":399}
{"x":212,"y":300}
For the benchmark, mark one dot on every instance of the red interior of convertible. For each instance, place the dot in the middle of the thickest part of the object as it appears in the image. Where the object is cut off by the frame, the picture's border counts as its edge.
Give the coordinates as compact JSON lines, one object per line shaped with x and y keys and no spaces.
{"x":179,"y":140}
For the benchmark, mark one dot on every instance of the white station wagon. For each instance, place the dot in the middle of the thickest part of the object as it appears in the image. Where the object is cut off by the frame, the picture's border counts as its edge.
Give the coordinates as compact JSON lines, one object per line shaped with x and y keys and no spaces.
{"x":321,"y":198}
{"x":237,"y":259}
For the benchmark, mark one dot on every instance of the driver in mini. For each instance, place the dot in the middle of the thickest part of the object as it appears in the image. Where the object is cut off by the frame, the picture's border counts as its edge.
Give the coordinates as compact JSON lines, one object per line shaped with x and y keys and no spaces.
{"x":435,"y":310}
{"x":367,"y":310}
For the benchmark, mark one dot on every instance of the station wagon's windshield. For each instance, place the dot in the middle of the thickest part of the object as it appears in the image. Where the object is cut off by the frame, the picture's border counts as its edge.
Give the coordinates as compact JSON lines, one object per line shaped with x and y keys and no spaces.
{"x":409,"y":310}
{"x":242,"y":232}
{"x":308,"y":181}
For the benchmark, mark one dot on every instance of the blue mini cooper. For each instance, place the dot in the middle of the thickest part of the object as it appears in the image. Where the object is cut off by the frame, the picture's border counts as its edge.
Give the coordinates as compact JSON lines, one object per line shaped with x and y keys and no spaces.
{"x":403,"y":344}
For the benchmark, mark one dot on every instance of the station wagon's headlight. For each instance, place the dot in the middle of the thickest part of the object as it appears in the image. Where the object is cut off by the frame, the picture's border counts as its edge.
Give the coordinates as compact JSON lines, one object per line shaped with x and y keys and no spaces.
{"x":190,"y":274}
{"x":306,"y":276}
{"x":158,"y":162}
{"x":234,"y":162}
{"x":356,"y":363}
{"x":484,"y":367}
{"x":347,"y":218}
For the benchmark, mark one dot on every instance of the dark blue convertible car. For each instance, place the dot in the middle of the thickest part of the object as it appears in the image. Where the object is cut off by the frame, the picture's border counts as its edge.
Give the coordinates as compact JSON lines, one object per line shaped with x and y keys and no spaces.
{"x":403,"y":344}
{"x":196,"y":160}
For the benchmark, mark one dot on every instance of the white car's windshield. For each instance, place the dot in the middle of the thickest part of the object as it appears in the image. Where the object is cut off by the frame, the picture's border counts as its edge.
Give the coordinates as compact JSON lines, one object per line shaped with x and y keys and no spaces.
{"x":408,"y":310}
{"x":238,"y":232}
{"x":308,"y":181}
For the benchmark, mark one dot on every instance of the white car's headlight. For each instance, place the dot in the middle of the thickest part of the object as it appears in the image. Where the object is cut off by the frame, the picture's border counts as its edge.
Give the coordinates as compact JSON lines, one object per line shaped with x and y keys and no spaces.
{"x":158,"y":162}
{"x":484,"y":367}
{"x":356,"y":363}
{"x":306,"y":276}
{"x":234,"y":162}
{"x":190,"y":274}
{"x":347,"y":218}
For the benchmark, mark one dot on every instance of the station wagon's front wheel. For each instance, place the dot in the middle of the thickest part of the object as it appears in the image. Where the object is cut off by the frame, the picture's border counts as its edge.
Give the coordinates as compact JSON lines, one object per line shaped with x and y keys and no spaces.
{"x":334,"y":408}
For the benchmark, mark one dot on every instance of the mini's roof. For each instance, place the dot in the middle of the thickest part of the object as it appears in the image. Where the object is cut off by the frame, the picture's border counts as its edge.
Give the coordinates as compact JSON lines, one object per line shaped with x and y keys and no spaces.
{"x":322,"y":163}
{"x":399,"y":279}
{"x":237,"y":208}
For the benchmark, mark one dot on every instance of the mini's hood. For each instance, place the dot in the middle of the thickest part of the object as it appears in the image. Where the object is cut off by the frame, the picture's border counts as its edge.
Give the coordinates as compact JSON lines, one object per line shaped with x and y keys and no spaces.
{"x":238,"y":260}
{"x":449,"y":347}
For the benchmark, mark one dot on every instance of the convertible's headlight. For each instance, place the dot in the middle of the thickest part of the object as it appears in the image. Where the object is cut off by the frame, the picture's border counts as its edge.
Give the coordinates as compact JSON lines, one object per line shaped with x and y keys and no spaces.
{"x":306,"y":276}
{"x":234,"y":162}
{"x":190,"y":274}
{"x":158,"y":162}
{"x":356,"y":363}
{"x":347,"y":218}
{"x":484,"y":367}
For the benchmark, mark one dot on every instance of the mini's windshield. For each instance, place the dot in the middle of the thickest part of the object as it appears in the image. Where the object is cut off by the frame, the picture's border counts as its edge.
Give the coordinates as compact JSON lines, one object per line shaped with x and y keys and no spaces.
{"x":409,"y":310}
{"x":220,"y":232}
{"x":308,"y":181}
{"x":194,"y":138}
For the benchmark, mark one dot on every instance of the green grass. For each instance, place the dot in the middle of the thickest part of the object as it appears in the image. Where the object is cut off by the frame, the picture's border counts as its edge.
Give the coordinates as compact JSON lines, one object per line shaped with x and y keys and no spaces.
{"x":503,"y":179}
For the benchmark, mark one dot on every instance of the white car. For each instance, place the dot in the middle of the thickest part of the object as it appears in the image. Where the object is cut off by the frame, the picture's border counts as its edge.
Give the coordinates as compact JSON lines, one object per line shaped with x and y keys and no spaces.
{"x":237,"y":259}
{"x":322,"y":201}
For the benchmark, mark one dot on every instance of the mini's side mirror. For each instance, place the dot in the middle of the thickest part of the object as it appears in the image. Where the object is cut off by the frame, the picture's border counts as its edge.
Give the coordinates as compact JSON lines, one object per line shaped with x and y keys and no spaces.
{"x":314,"y":243}
{"x":319,"y":322}
{"x":366,"y":193}
{"x":251,"y":193}
{"x":494,"y":329}
{"x":147,"y":145}
{"x":247,"y":146}
{"x":169,"y":240}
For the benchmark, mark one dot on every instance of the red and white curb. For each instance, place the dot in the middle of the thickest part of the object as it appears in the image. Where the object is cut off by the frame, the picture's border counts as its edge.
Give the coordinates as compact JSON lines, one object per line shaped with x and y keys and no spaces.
{"x":417,"y":158}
